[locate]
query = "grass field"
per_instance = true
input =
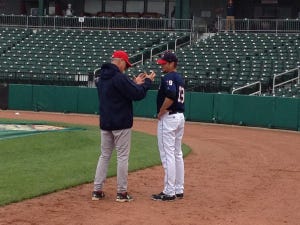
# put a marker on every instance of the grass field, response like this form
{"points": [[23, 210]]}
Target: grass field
{"points": [[38, 164]]}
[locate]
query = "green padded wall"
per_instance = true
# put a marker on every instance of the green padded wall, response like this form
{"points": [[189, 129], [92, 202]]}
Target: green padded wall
{"points": [[66, 99], [253, 110], [201, 107], [55, 98], [187, 103], [87, 100], [43, 98], [223, 107], [286, 113], [20, 97], [269, 112], [147, 106]]}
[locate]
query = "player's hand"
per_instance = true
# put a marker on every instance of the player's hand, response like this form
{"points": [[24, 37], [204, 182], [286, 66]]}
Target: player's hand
{"points": [[140, 79], [151, 76], [161, 113]]}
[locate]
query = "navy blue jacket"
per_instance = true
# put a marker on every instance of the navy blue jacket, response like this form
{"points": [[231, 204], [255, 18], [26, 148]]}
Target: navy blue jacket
{"points": [[116, 93]]}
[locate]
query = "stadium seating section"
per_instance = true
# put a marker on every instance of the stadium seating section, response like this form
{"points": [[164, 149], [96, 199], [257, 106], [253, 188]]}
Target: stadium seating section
{"points": [[226, 61], [219, 63], [68, 57]]}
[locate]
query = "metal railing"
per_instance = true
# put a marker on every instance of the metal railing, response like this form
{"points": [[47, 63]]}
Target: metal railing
{"points": [[262, 25], [297, 78], [63, 78], [258, 92], [137, 58], [103, 23], [158, 49]]}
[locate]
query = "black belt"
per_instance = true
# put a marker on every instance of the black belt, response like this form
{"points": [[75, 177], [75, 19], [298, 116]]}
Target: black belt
{"points": [[174, 112]]}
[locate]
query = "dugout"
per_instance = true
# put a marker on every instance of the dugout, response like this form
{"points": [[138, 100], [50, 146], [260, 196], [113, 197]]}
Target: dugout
{"points": [[3, 96]]}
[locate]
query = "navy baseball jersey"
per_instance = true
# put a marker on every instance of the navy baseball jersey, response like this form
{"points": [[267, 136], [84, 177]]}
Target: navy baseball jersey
{"points": [[171, 86]]}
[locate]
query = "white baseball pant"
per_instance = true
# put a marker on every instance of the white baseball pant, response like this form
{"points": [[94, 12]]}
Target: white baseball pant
{"points": [[169, 135]]}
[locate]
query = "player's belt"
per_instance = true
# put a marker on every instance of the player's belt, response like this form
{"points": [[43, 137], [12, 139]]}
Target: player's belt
{"points": [[174, 112]]}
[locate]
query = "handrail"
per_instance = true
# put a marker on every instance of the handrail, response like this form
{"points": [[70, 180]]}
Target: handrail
{"points": [[175, 47], [249, 85], [96, 23], [151, 51], [139, 61], [177, 39], [285, 82], [262, 25]]}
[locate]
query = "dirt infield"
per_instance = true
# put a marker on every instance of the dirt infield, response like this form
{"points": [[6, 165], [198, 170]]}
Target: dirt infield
{"points": [[234, 175]]}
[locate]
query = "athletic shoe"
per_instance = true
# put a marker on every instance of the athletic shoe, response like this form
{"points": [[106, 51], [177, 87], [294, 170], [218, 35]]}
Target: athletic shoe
{"points": [[156, 196], [97, 195], [123, 197], [179, 196], [163, 197]]}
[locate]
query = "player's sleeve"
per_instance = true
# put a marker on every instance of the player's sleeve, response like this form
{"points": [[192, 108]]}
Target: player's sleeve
{"points": [[170, 89]]}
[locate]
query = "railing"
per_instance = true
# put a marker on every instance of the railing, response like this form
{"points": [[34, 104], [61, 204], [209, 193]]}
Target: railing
{"points": [[158, 49], [258, 92], [65, 79], [262, 25], [287, 81], [178, 44], [137, 58], [104, 23]]}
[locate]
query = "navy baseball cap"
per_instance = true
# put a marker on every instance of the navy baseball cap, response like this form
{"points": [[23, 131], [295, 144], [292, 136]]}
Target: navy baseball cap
{"points": [[167, 57]]}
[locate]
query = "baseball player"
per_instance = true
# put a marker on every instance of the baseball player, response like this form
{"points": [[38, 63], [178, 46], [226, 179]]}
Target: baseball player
{"points": [[170, 108]]}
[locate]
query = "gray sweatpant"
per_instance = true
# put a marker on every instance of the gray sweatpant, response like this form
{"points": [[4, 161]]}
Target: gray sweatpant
{"points": [[119, 139]]}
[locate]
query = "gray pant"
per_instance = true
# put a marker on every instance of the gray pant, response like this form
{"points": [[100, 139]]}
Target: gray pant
{"points": [[119, 139]]}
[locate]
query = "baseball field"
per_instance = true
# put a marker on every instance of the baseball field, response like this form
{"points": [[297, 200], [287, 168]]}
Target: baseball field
{"points": [[234, 175]]}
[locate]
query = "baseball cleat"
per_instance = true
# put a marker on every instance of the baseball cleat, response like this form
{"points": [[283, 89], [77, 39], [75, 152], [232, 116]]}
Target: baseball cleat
{"points": [[123, 197], [179, 196], [97, 195], [163, 197]]}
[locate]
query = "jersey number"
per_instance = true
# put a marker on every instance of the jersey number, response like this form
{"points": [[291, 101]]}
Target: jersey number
{"points": [[181, 95]]}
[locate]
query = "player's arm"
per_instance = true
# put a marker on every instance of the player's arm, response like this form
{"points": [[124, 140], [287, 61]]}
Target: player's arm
{"points": [[164, 108], [130, 89]]}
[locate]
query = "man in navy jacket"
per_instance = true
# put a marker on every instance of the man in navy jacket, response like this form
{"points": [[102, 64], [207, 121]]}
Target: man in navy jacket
{"points": [[116, 93]]}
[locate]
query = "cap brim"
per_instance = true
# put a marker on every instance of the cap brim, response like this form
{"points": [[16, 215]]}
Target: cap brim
{"points": [[128, 63], [162, 61]]}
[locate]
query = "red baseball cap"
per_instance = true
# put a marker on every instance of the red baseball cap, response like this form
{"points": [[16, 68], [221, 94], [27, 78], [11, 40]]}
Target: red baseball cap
{"points": [[122, 55]]}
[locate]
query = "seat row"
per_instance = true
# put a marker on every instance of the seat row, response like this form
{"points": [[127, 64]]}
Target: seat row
{"points": [[72, 51], [216, 64]]}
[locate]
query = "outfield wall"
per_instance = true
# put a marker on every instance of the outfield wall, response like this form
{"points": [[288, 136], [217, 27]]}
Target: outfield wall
{"points": [[270, 112]]}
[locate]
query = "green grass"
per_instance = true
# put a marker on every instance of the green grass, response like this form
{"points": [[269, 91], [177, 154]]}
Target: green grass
{"points": [[46, 162]]}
